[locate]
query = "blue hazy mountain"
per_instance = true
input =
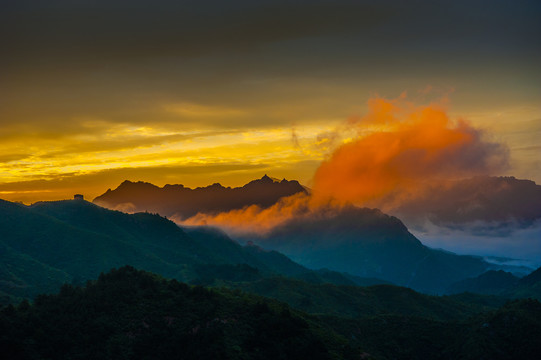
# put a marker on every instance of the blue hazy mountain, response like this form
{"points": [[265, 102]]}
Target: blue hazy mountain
{"points": [[368, 243]]}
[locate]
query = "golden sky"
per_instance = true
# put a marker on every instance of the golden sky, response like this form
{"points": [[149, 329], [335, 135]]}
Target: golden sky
{"points": [[93, 93]]}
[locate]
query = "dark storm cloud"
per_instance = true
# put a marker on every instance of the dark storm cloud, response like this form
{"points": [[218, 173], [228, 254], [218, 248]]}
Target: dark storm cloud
{"points": [[484, 206], [95, 31], [118, 60], [482, 238]]}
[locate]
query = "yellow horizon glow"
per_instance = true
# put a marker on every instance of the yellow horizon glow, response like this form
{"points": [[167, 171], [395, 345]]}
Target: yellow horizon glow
{"points": [[55, 165], [146, 147]]}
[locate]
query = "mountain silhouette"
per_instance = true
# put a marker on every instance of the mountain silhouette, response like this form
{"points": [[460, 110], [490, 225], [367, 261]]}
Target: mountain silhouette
{"points": [[495, 200], [183, 202]]}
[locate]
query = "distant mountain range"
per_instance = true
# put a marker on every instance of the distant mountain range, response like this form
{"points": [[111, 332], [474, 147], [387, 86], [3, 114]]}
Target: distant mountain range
{"points": [[360, 241], [184, 202], [494, 200], [50, 243]]}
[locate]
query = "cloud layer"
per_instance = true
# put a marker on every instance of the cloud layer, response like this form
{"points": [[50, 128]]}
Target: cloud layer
{"points": [[410, 148]]}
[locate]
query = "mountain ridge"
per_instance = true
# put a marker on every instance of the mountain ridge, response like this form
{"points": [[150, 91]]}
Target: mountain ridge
{"points": [[50, 243], [184, 202], [504, 199]]}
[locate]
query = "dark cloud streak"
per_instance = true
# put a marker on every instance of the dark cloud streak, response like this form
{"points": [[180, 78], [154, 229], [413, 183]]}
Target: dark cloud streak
{"points": [[106, 30], [103, 31]]}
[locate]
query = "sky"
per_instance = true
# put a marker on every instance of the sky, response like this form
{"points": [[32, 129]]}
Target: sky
{"points": [[196, 92]]}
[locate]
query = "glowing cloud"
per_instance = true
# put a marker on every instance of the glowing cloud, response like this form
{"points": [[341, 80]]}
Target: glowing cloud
{"points": [[399, 150], [409, 146], [258, 220]]}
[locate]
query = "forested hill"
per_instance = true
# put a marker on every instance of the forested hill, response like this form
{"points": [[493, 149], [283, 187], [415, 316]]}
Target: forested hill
{"points": [[130, 314], [50, 243], [47, 244]]}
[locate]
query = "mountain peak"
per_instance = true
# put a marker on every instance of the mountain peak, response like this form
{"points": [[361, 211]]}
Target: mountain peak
{"points": [[267, 179]]}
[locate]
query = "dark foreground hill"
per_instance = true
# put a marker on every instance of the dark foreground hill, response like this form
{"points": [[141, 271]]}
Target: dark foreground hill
{"points": [[129, 314], [183, 202], [510, 332]]}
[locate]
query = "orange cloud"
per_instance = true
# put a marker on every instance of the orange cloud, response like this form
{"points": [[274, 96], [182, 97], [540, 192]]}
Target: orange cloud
{"points": [[408, 148], [255, 219]]}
